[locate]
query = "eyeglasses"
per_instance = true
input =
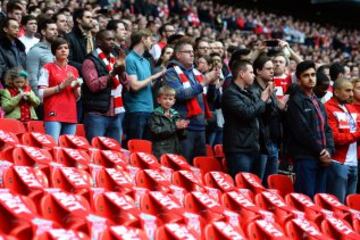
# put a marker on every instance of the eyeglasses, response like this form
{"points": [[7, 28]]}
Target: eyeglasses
{"points": [[187, 51]]}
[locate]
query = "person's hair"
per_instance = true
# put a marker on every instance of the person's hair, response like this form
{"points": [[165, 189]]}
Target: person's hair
{"points": [[6, 23], [339, 83], [56, 15], [163, 28], [260, 62], [322, 68], [100, 34], [335, 70], [166, 91], [13, 73], [321, 77], [281, 54], [27, 18], [303, 66], [64, 10], [355, 81], [137, 36], [160, 61], [238, 54], [33, 8], [57, 43], [78, 14], [182, 42], [239, 65], [199, 40], [113, 24], [43, 24], [13, 5]]}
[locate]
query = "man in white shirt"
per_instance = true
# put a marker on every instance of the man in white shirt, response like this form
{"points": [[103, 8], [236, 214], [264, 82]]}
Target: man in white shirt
{"points": [[30, 25]]}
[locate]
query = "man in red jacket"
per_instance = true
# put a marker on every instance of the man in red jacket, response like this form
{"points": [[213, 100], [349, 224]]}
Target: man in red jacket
{"points": [[344, 121]]}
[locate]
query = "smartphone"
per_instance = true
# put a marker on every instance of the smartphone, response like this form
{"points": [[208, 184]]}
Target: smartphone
{"points": [[272, 43]]}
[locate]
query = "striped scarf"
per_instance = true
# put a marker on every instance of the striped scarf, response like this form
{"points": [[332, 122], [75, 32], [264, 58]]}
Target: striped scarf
{"points": [[320, 123], [193, 107], [116, 84]]}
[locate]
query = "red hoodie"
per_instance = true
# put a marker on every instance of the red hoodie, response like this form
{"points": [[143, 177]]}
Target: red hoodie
{"points": [[340, 126]]}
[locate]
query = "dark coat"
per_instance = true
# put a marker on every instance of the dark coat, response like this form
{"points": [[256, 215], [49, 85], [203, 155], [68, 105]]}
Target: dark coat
{"points": [[242, 110], [8, 58], [77, 42], [165, 136], [300, 124]]}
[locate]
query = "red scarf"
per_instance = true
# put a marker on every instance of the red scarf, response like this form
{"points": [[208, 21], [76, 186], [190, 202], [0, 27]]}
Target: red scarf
{"points": [[24, 105], [193, 107], [116, 90]]}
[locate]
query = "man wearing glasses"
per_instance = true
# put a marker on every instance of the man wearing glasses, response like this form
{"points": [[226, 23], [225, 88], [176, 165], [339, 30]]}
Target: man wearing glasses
{"points": [[191, 103]]}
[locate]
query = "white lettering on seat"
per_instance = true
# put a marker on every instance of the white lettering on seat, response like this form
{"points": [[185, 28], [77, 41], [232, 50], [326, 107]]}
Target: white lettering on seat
{"points": [[206, 200], [228, 231], [74, 176], [119, 200], [14, 203], [76, 140], [120, 177], [68, 201], [242, 200], [6, 137], [35, 153], [164, 200], [269, 228], [147, 158], [126, 233], [306, 226], [28, 176], [75, 154], [108, 142], [340, 226], [181, 232], [41, 138], [221, 181]]}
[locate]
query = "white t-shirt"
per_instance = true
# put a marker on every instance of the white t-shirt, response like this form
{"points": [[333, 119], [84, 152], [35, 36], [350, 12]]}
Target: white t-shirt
{"points": [[28, 42]]}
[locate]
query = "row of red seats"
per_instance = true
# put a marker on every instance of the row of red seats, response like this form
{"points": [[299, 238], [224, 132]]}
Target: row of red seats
{"points": [[169, 192]]}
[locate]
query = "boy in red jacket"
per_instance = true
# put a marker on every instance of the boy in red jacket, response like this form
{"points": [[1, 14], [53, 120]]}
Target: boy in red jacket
{"points": [[344, 121]]}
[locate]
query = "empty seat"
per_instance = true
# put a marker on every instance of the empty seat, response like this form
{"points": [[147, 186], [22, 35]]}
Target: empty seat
{"points": [[39, 140], [12, 125], [35, 126], [207, 164], [139, 145], [282, 183], [353, 201]]}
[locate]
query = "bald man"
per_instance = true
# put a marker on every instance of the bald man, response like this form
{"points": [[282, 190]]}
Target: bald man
{"points": [[344, 121]]}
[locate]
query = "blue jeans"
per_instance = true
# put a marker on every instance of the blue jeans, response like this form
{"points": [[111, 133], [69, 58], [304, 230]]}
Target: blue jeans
{"points": [[342, 180], [242, 162], [99, 125], [55, 129], [310, 176], [193, 145], [136, 125], [215, 136], [272, 162]]}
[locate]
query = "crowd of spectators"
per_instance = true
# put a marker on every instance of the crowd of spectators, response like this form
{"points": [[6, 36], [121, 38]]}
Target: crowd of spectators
{"points": [[188, 73]]}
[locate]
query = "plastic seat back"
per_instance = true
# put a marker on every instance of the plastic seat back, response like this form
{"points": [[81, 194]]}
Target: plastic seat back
{"points": [[249, 181], [73, 141], [39, 140], [105, 143], [80, 130], [221, 230], [207, 164], [297, 228], [261, 229], [12, 125], [282, 183], [144, 160], [174, 231], [219, 180], [139, 145], [353, 201], [35, 126]]}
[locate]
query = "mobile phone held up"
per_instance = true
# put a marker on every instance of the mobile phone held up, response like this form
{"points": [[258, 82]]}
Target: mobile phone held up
{"points": [[272, 43]]}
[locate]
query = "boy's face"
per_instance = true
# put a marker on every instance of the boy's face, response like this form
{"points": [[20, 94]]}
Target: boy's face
{"points": [[19, 82], [166, 101]]}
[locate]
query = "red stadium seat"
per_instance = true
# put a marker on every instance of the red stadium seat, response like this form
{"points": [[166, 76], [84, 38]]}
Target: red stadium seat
{"points": [[144, 160], [109, 159], [176, 162], [207, 164], [174, 231], [338, 229], [80, 130], [219, 180], [122, 233], [249, 181], [297, 228], [12, 125], [261, 229], [209, 151], [218, 151], [105, 143], [35, 126], [353, 201], [187, 180], [138, 145], [70, 179], [282, 183], [30, 156], [221, 230], [113, 179], [73, 141], [39, 140]]}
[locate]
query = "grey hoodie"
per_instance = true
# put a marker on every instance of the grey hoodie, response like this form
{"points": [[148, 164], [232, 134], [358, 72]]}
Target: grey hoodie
{"points": [[37, 57]]}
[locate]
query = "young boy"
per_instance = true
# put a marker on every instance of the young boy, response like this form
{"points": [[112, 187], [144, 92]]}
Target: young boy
{"points": [[165, 124]]}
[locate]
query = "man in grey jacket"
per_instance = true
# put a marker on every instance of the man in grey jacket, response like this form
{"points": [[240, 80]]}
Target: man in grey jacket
{"points": [[40, 53]]}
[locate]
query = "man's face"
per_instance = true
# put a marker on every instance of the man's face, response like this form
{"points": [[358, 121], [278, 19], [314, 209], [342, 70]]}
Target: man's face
{"points": [[61, 23], [148, 42], [280, 65], [203, 49], [16, 14], [121, 33], [169, 30], [267, 72], [86, 21], [103, 21], [356, 91], [218, 47], [186, 55], [12, 30], [355, 72], [107, 41], [345, 93], [248, 75], [31, 26], [50, 33], [347, 73], [307, 79]]}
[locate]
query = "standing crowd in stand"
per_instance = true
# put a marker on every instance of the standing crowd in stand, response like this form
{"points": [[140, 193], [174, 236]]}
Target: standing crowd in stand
{"points": [[184, 74]]}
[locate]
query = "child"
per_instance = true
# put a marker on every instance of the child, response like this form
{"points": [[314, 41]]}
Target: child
{"points": [[17, 99], [165, 124]]}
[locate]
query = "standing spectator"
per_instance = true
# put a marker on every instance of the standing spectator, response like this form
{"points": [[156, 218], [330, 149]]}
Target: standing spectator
{"points": [[61, 23], [59, 90], [309, 138], [102, 90], [337, 71], [344, 122], [165, 124], [40, 53], [202, 48], [80, 39], [12, 50], [138, 99], [165, 32], [242, 110], [14, 9], [121, 33], [17, 99], [30, 25], [191, 104]]}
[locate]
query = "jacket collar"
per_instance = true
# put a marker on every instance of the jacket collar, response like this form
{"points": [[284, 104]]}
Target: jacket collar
{"points": [[4, 41]]}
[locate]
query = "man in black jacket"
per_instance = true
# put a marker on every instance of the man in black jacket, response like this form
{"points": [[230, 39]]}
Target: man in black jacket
{"points": [[309, 138], [242, 110], [12, 50]]}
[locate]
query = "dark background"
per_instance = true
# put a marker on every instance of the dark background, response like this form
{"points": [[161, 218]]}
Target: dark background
{"points": [[344, 13]]}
